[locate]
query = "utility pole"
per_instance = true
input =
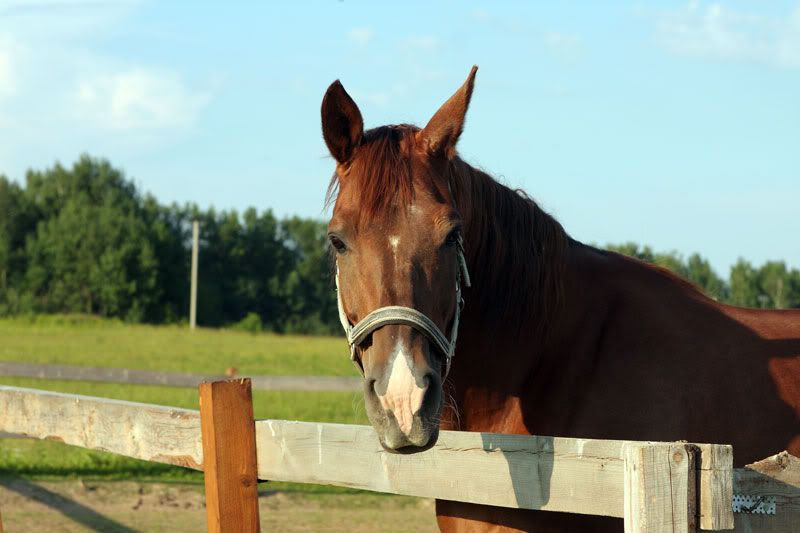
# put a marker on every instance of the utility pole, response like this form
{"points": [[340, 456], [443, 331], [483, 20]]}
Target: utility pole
{"points": [[193, 302]]}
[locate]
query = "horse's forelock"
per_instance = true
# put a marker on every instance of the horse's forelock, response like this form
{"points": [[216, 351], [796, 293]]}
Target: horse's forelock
{"points": [[380, 171]]}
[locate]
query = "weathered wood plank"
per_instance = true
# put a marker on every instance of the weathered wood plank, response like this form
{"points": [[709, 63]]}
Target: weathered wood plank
{"points": [[558, 474], [229, 448], [775, 477], [143, 431], [659, 488], [716, 486], [174, 379]]}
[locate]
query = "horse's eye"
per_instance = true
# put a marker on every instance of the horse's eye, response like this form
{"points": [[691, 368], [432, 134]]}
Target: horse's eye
{"points": [[337, 243]]}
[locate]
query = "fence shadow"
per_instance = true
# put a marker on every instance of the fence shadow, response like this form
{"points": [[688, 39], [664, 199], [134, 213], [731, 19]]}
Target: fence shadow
{"points": [[71, 509], [531, 472]]}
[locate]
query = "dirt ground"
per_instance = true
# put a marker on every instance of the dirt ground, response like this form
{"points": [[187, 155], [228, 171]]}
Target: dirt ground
{"points": [[128, 506]]}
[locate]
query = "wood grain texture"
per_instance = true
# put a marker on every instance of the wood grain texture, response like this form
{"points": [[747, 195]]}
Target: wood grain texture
{"points": [[779, 477], [716, 486], [558, 474], [229, 448], [660, 488], [143, 431], [174, 379]]}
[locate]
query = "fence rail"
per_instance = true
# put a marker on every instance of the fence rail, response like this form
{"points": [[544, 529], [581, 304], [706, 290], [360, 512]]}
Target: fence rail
{"points": [[139, 430], [654, 486], [173, 379]]}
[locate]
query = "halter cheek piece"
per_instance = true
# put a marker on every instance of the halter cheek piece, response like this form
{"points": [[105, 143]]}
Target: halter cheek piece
{"points": [[407, 316]]}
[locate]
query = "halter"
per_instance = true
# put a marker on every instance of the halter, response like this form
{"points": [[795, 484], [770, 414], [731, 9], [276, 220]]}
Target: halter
{"points": [[408, 316]]}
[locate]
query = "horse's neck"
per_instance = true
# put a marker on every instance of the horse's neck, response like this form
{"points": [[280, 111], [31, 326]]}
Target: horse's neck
{"points": [[529, 379]]}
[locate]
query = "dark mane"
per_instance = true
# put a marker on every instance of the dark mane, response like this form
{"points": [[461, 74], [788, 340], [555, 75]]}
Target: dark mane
{"points": [[383, 167], [514, 247]]}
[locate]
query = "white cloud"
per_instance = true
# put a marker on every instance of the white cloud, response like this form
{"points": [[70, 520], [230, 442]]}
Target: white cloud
{"points": [[63, 92], [360, 36], [138, 98], [719, 33], [52, 75]]}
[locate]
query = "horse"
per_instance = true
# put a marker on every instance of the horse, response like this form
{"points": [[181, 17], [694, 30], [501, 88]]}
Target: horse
{"points": [[556, 337]]}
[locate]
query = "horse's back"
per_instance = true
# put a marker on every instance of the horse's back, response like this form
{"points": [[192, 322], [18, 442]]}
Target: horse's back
{"points": [[675, 364]]}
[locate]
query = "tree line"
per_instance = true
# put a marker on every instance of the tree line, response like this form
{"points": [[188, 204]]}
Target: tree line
{"points": [[85, 240]]}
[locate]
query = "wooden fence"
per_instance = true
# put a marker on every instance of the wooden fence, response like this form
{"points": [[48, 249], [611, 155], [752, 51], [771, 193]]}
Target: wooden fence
{"points": [[654, 486]]}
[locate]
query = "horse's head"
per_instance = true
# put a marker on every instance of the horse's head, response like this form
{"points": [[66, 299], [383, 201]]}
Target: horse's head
{"points": [[396, 236]]}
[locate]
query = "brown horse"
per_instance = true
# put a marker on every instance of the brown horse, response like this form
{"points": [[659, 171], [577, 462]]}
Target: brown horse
{"points": [[556, 338]]}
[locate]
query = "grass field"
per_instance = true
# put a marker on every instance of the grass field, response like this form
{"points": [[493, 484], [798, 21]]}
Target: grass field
{"points": [[92, 342], [89, 341]]}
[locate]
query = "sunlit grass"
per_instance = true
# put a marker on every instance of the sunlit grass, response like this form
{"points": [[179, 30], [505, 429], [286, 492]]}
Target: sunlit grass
{"points": [[88, 341]]}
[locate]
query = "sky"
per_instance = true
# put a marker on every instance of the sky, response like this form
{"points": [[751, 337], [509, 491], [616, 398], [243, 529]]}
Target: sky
{"points": [[671, 124]]}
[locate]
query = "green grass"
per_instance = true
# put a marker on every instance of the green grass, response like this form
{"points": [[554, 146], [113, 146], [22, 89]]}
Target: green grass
{"points": [[89, 341]]}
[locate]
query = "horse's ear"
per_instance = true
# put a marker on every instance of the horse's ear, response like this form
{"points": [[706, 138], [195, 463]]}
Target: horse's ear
{"points": [[443, 130], [342, 125]]}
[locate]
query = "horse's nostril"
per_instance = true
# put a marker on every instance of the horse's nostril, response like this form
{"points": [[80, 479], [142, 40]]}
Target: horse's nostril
{"points": [[432, 379]]}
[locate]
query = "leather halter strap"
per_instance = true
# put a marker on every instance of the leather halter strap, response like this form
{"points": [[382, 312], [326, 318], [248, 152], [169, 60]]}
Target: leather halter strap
{"points": [[408, 316]]}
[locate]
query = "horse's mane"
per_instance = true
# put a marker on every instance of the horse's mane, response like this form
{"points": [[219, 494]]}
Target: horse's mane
{"points": [[515, 250]]}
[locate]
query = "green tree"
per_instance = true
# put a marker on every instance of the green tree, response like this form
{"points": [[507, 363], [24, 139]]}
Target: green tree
{"points": [[699, 271], [15, 222], [631, 249], [777, 285], [91, 251], [169, 232], [309, 287], [744, 289]]}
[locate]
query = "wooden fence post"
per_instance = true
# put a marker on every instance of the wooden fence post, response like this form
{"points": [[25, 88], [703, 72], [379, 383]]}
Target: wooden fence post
{"points": [[660, 488], [229, 456], [716, 486]]}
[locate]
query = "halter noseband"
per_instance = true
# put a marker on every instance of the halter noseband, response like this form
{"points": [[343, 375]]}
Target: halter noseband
{"points": [[408, 316]]}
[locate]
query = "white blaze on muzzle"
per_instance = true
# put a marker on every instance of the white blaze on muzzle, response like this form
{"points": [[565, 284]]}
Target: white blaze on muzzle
{"points": [[408, 316], [403, 396]]}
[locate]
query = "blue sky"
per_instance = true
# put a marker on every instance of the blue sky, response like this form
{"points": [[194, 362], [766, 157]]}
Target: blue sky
{"points": [[672, 124]]}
